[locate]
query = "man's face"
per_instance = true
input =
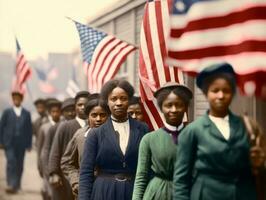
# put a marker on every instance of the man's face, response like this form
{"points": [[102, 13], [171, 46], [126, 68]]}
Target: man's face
{"points": [[80, 107], [17, 100], [55, 113], [40, 107], [69, 112]]}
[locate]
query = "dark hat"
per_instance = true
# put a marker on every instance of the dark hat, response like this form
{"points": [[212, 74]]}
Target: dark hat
{"points": [[224, 68], [82, 94], [172, 85], [68, 102], [17, 93], [94, 96], [39, 101], [53, 103]]}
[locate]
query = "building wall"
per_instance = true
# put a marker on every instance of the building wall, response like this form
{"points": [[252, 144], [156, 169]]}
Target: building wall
{"points": [[124, 20]]}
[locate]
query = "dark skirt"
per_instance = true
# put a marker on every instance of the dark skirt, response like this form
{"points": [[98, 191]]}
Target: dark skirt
{"points": [[105, 188]]}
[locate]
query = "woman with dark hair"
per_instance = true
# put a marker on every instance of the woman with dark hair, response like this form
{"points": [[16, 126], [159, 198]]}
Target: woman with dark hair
{"points": [[135, 108], [112, 149], [97, 112], [213, 156], [157, 150]]}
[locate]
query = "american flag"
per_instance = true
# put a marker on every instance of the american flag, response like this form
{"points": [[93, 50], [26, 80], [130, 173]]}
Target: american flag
{"points": [[102, 54], [204, 32], [153, 71], [22, 72], [44, 80]]}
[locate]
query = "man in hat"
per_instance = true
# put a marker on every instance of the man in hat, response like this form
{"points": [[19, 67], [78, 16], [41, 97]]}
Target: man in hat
{"points": [[40, 106], [16, 138], [63, 135], [68, 110], [54, 113]]}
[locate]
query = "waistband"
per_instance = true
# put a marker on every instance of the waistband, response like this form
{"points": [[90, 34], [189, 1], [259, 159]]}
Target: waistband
{"points": [[164, 177], [118, 177]]}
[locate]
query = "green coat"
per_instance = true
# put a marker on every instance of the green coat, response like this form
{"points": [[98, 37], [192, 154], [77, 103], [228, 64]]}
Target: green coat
{"points": [[208, 167], [157, 152]]}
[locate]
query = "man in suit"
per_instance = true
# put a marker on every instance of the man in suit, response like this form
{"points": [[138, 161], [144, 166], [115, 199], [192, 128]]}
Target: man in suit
{"points": [[64, 133], [16, 138], [40, 105]]}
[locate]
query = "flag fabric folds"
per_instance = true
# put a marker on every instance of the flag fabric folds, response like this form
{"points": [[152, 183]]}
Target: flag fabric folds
{"points": [[204, 32], [153, 72], [22, 73], [102, 54], [44, 80]]}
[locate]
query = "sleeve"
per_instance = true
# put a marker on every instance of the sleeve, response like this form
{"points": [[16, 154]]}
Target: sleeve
{"points": [[29, 131], [46, 150], [55, 153], [70, 162], [143, 169], [184, 164], [2, 126], [87, 167], [39, 148]]}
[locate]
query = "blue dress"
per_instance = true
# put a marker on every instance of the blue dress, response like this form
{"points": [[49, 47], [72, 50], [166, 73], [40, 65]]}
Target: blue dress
{"points": [[102, 151]]}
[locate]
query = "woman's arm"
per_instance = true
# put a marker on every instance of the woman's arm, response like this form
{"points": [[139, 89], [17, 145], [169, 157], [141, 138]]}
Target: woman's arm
{"points": [[186, 150], [143, 169], [87, 166]]}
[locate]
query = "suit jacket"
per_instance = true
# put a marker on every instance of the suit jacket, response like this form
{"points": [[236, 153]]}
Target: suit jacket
{"points": [[210, 167], [102, 151], [63, 135], [36, 125], [70, 162], [16, 130]]}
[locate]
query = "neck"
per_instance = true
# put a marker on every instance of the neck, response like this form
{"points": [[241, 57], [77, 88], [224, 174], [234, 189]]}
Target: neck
{"points": [[124, 119], [219, 114]]}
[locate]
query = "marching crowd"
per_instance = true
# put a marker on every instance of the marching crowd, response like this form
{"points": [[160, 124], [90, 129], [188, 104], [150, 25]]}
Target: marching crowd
{"points": [[98, 146]]}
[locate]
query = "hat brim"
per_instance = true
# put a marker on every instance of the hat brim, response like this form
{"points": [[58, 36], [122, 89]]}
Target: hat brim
{"points": [[213, 70], [181, 87]]}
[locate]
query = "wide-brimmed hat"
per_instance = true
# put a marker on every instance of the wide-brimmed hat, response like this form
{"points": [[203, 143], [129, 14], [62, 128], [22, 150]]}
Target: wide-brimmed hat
{"points": [[172, 85], [224, 68]]}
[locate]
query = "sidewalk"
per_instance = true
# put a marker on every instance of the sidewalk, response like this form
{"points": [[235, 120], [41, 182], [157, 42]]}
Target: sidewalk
{"points": [[31, 181]]}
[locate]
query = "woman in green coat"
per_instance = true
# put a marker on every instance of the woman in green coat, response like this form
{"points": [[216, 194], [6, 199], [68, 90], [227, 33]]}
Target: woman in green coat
{"points": [[157, 149], [212, 160]]}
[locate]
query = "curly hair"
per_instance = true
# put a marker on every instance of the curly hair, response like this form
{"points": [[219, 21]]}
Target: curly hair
{"points": [[112, 84]]}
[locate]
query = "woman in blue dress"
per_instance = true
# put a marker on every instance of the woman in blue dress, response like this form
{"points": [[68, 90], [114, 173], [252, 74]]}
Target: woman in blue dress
{"points": [[112, 149]]}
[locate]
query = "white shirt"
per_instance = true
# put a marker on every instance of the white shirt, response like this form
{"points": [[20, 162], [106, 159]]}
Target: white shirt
{"points": [[123, 130], [51, 120], [222, 124], [17, 110], [81, 122], [173, 128]]}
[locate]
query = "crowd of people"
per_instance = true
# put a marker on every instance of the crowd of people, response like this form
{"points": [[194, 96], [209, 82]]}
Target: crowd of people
{"points": [[98, 146]]}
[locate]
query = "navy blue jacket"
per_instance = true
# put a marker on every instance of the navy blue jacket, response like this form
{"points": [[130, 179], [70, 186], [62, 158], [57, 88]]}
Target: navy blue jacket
{"points": [[102, 151], [16, 130]]}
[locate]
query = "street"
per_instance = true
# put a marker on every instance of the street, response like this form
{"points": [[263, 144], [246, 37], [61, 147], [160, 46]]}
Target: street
{"points": [[31, 181]]}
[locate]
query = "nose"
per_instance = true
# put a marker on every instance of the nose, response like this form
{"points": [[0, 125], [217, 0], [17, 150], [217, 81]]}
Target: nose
{"points": [[220, 94], [98, 118], [118, 102], [134, 116], [174, 109]]}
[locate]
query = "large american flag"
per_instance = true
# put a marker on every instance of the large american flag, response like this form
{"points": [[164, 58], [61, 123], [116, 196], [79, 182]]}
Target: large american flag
{"points": [[204, 32], [102, 54], [22, 72], [153, 71]]}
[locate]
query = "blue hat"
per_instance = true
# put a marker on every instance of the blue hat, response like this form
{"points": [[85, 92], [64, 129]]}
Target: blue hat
{"points": [[215, 69]]}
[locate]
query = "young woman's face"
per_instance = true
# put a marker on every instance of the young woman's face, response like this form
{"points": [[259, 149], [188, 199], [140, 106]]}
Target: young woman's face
{"points": [[173, 108], [97, 116], [219, 96], [118, 103], [135, 112]]}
